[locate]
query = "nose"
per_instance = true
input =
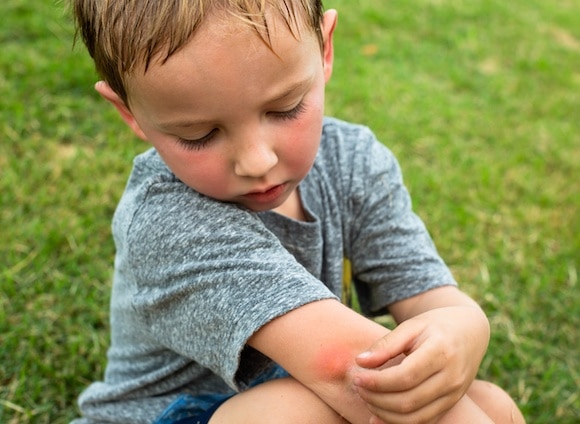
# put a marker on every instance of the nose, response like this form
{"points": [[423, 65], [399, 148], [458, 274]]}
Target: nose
{"points": [[254, 158]]}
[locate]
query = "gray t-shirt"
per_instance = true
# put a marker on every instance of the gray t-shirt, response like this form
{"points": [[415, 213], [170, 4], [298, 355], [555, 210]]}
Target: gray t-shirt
{"points": [[195, 278]]}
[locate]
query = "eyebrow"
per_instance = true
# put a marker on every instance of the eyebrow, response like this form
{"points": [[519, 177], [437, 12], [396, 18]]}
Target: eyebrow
{"points": [[296, 87], [291, 90]]}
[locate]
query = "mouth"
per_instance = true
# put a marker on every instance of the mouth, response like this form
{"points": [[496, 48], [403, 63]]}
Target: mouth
{"points": [[268, 195]]}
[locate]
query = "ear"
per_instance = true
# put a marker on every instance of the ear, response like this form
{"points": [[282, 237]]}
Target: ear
{"points": [[328, 25], [109, 95]]}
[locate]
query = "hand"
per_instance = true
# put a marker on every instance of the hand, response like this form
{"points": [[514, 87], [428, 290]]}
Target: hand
{"points": [[443, 349]]}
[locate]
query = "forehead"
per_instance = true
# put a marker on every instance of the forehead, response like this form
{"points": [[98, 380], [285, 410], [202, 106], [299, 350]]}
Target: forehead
{"points": [[222, 29], [226, 62]]}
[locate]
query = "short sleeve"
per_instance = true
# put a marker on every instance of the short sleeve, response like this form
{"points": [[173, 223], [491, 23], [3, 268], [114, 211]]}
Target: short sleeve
{"points": [[393, 257], [208, 275]]}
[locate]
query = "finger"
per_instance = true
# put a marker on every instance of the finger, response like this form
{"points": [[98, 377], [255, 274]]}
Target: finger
{"points": [[378, 354], [405, 414], [397, 342], [454, 411], [410, 372], [376, 420], [410, 400]]}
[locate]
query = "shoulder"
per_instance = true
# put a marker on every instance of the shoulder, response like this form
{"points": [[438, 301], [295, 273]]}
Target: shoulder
{"points": [[339, 131], [148, 171], [156, 206], [352, 155], [351, 144]]}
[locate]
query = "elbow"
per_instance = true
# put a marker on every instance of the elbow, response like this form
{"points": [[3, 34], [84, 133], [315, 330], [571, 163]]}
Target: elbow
{"points": [[333, 364]]}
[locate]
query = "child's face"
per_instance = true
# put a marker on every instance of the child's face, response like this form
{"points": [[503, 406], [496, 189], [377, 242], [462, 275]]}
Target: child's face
{"points": [[233, 120]]}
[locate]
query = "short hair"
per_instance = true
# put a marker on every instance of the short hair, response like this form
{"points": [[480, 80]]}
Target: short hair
{"points": [[124, 36]]}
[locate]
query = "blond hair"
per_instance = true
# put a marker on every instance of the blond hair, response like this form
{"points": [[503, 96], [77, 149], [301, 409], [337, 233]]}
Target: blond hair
{"points": [[124, 36]]}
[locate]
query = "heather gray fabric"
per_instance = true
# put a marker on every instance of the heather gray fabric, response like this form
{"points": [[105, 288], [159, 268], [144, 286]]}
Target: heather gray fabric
{"points": [[195, 278]]}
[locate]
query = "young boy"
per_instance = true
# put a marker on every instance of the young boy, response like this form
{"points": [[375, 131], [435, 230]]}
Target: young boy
{"points": [[232, 231]]}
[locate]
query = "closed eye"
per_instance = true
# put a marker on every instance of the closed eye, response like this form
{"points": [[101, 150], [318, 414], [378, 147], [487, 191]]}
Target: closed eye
{"points": [[293, 113], [198, 143]]}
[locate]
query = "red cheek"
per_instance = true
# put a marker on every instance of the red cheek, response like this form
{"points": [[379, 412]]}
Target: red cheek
{"points": [[332, 362]]}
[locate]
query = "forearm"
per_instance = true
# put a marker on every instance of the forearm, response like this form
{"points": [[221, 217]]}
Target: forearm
{"points": [[449, 304], [444, 335], [448, 298], [317, 344], [345, 401]]}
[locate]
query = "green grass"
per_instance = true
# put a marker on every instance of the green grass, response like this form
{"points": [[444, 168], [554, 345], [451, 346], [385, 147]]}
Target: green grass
{"points": [[479, 100]]}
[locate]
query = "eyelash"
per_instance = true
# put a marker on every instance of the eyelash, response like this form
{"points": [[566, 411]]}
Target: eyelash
{"points": [[292, 113], [198, 143], [202, 142]]}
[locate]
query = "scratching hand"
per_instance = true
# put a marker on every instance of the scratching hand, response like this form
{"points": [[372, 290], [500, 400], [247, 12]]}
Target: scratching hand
{"points": [[422, 368]]}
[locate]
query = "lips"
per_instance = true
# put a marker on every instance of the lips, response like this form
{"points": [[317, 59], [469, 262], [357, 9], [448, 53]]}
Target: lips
{"points": [[267, 196]]}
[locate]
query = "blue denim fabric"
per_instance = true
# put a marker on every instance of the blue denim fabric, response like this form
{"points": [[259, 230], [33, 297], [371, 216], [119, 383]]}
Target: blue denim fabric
{"points": [[193, 409]]}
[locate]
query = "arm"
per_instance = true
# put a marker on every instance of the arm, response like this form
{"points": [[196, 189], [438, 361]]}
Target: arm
{"points": [[317, 344], [447, 296], [444, 334]]}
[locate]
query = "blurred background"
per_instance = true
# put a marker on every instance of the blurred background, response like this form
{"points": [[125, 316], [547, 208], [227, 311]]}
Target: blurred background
{"points": [[479, 100]]}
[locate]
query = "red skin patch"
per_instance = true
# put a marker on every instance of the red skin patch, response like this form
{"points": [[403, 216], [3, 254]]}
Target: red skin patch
{"points": [[333, 362]]}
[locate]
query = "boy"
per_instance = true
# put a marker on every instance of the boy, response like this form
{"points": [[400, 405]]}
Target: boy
{"points": [[231, 233]]}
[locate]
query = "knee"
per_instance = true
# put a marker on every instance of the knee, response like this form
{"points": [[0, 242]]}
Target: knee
{"points": [[495, 402], [281, 401]]}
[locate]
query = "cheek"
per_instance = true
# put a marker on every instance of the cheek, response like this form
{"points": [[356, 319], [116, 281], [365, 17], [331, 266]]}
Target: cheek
{"points": [[201, 171], [303, 139], [300, 149], [205, 175]]}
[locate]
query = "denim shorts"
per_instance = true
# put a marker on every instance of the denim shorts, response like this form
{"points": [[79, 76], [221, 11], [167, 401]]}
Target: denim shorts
{"points": [[188, 409]]}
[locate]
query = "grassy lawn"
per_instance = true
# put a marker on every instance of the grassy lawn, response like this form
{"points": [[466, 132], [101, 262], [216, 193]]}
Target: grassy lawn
{"points": [[479, 100]]}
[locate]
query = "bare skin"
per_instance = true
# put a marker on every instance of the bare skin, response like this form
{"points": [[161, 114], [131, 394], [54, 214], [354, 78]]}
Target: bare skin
{"points": [[323, 390], [287, 401], [423, 371], [278, 401]]}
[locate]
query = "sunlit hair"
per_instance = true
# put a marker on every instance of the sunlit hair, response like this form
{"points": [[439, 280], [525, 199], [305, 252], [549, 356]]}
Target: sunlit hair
{"points": [[126, 36]]}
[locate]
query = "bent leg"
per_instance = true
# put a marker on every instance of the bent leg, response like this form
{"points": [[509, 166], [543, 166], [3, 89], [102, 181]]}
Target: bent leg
{"points": [[282, 401], [484, 403], [495, 402]]}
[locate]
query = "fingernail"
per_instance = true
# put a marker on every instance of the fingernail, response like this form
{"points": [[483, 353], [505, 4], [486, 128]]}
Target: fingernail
{"points": [[364, 355]]}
